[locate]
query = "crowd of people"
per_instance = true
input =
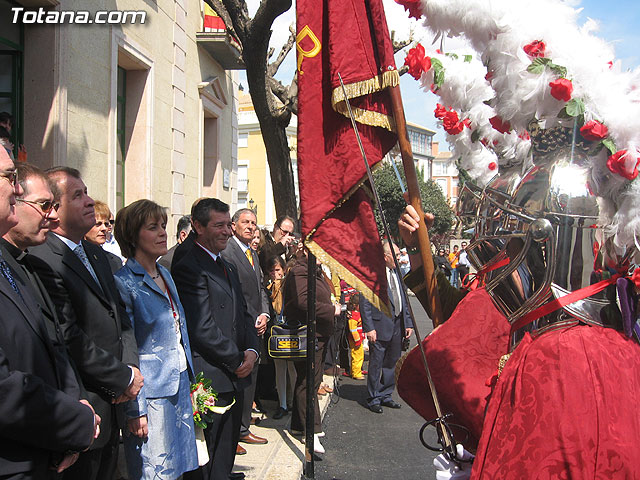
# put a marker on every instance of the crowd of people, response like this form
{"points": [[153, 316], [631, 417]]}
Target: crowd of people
{"points": [[107, 329], [454, 264]]}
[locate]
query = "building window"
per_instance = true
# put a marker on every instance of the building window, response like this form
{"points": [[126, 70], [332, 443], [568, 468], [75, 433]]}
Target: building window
{"points": [[243, 179], [11, 69], [442, 183], [419, 142], [243, 140], [440, 169]]}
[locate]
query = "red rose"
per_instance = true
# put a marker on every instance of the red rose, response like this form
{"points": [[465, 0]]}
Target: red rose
{"points": [[451, 123], [535, 49], [411, 6], [623, 165], [493, 166], [561, 89], [426, 64], [594, 131], [415, 60], [440, 111], [500, 125]]}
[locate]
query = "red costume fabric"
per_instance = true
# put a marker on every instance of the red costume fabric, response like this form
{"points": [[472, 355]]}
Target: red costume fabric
{"points": [[565, 408], [462, 354]]}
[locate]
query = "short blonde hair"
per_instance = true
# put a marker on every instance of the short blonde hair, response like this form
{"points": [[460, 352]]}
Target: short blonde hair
{"points": [[102, 210]]}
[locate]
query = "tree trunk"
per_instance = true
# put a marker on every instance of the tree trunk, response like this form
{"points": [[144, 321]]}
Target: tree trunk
{"points": [[273, 127]]}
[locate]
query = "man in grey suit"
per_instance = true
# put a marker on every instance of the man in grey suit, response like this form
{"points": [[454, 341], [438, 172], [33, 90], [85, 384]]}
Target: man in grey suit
{"points": [[245, 259], [385, 337], [96, 327]]}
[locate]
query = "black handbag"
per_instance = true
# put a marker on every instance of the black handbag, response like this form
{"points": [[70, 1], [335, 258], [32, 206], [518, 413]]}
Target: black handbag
{"points": [[286, 341]]}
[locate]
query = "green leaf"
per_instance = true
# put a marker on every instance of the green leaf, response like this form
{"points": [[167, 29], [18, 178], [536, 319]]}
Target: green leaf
{"points": [[563, 113], [538, 65], [475, 136], [574, 107], [558, 69], [452, 55], [610, 144], [468, 58], [438, 72]]}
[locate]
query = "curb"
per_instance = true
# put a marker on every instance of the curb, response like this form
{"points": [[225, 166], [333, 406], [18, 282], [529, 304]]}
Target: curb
{"points": [[283, 457]]}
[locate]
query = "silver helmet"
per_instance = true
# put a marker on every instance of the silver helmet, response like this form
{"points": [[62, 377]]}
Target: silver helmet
{"points": [[545, 222]]}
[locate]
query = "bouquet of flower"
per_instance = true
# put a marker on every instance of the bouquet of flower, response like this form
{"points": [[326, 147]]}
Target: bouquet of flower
{"points": [[203, 400]]}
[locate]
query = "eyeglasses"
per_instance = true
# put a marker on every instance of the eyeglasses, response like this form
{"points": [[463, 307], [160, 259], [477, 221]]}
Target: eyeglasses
{"points": [[46, 206], [10, 175], [106, 223], [285, 231]]}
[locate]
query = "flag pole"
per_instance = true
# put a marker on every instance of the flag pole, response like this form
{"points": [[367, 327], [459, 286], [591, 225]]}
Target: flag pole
{"points": [[424, 243], [309, 465]]}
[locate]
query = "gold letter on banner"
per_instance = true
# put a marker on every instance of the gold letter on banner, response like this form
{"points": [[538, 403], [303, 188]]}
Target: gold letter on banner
{"points": [[306, 32]]}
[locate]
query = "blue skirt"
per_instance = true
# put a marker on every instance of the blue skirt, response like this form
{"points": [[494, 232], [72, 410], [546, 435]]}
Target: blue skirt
{"points": [[170, 448]]}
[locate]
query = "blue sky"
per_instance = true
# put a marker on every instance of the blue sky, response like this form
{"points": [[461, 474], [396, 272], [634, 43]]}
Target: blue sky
{"points": [[618, 19]]}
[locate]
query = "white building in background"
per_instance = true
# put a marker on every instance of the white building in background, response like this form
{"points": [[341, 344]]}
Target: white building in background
{"points": [[445, 174]]}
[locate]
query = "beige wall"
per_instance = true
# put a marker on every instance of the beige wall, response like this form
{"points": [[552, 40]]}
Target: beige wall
{"points": [[70, 100]]}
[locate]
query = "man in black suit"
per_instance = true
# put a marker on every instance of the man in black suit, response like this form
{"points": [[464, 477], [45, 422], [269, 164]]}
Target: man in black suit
{"points": [[95, 325], [245, 259], [223, 337], [385, 337], [41, 425], [184, 228]]}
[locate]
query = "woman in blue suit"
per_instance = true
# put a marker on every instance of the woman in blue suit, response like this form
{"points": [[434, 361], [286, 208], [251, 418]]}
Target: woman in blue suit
{"points": [[160, 441]]}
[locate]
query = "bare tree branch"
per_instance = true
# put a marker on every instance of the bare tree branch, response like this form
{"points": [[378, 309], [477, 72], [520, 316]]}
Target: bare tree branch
{"points": [[268, 11], [399, 45], [272, 68]]}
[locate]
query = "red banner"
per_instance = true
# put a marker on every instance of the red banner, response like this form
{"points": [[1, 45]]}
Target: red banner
{"points": [[350, 38]]}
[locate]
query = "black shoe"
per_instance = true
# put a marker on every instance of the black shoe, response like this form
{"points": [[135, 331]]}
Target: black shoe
{"points": [[391, 404], [281, 412], [375, 408], [236, 475]]}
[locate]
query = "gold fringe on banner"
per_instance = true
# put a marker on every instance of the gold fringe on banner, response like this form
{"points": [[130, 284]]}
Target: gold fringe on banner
{"points": [[347, 276], [390, 78]]}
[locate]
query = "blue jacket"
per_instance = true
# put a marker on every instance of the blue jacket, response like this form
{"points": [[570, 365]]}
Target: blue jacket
{"points": [[153, 323]]}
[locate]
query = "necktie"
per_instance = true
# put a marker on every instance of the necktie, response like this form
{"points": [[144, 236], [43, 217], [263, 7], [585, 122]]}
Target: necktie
{"points": [[221, 265], [6, 272], [249, 255], [82, 255], [395, 295]]}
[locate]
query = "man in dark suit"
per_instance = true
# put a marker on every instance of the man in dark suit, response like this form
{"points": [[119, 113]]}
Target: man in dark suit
{"points": [[245, 259], [95, 325], [385, 337], [223, 337], [41, 425], [184, 228]]}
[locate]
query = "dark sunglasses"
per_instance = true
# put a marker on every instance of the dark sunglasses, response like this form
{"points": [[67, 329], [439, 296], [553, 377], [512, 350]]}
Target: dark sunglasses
{"points": [[45, 206]]}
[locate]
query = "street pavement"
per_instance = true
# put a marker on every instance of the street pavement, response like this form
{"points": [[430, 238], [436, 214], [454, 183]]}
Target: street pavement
{"points": [[361, 444]]}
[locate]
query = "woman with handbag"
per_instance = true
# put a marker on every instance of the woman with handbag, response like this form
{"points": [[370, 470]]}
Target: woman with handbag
{"points": [[295, 309], [159, 441], [276, 271]]}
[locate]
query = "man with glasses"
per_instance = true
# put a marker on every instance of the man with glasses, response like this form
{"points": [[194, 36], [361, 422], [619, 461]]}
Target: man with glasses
{"points": [[42, 421], [277, 241]]}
